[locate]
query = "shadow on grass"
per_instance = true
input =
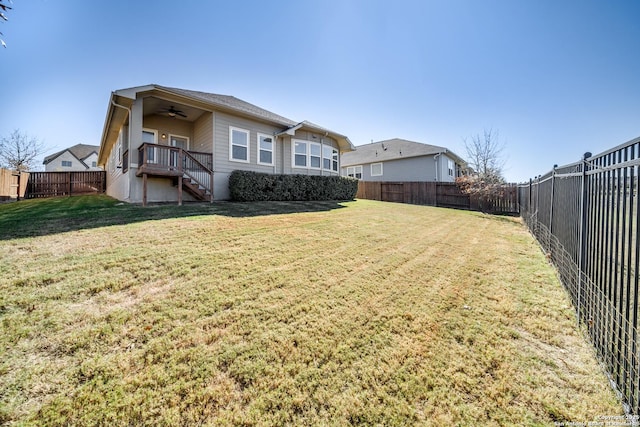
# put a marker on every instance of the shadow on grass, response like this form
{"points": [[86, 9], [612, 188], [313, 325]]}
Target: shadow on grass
{"points": [[40, 217]]}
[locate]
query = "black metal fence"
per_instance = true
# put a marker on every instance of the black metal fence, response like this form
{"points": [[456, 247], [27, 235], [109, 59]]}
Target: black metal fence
{"points": [[585, 215]]}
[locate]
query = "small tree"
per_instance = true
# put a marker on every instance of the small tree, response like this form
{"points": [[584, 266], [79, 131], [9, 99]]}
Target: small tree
{"points": [[485, 158], [485, 155], [19, 151]]}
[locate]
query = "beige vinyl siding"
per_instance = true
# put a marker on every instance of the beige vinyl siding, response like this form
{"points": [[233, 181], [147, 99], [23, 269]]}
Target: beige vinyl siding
{"points": [[55, 165], [222, 163], [203, 134], [168, 126]]}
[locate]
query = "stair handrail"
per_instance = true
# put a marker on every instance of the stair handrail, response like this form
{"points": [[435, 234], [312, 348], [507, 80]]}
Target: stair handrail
{"points": [[184, 155]]}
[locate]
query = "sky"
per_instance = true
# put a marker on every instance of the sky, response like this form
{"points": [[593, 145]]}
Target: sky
{"points": [[554, 78]]}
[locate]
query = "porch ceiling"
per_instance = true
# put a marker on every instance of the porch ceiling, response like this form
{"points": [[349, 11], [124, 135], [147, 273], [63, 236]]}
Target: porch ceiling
{"points": [[153, 105]]}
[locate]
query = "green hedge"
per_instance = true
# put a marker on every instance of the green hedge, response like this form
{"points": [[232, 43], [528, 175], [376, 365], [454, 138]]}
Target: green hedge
{"points": [[253, 186]]}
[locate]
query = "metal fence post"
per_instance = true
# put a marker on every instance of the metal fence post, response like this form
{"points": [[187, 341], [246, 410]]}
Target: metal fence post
{"points": [[582, 231], [553, 178]]}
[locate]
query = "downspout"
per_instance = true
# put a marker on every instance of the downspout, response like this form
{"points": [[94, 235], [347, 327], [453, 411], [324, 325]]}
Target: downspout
{"points": [[435, 158], [115, 104]]}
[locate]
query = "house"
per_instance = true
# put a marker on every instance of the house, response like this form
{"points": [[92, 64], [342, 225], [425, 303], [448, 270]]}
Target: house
{"points": [[80, 157], [164, 144], [399, 160]]}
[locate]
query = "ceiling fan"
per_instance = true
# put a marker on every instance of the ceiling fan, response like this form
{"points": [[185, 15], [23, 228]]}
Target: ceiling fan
{"points": [[172, 112]]}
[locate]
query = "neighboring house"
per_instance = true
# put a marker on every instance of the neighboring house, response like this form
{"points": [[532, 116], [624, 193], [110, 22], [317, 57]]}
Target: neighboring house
{"points": [[162, 144], [80, 157], [399, 160]]}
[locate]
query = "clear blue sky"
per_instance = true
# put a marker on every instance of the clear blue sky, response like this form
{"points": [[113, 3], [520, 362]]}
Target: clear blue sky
{"points": [[556, 78]]}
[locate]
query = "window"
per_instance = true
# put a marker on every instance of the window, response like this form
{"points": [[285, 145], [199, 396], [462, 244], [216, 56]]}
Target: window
{"points": [[265, 149], [451, 167], [314, 155], [94, 164], [238, 145], [66, 163], [376, 169], [326, 157], [354, 172], [149, 137], [300, 154]]}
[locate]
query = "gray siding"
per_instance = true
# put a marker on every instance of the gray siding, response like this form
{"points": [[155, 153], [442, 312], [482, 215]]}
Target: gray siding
{"points": [[410, 169]]}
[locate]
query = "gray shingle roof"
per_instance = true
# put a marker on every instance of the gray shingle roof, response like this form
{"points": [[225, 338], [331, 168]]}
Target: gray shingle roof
{"points": [[232, 103], [392, 149], [81, 151]]}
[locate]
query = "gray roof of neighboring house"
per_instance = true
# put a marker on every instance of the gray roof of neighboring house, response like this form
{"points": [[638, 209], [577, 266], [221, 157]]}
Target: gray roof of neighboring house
{"points": [[80, 151], [393, 149], [233, 103]]}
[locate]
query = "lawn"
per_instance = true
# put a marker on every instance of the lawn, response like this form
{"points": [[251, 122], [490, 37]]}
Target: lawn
{"points": [[357, 313]]}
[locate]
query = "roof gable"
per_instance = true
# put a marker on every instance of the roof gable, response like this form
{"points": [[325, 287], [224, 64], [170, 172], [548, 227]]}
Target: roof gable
{"points": [[393, 149], [79, 151]]}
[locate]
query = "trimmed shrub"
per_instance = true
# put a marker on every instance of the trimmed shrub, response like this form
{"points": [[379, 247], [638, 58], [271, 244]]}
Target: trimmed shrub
{"points": [[247, 186]]}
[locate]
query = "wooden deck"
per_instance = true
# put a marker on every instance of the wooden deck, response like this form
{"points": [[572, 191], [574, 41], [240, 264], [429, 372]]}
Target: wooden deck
{"points": [[190, 171]]}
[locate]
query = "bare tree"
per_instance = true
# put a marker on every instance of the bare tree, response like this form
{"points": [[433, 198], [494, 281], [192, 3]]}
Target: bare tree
{"points": [[485, 156], [484, 179], [18, 151], [3, 9]]}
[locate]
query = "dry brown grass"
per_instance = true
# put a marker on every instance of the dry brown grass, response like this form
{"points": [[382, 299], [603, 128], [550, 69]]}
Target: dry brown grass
{"points": [[374, 313]]}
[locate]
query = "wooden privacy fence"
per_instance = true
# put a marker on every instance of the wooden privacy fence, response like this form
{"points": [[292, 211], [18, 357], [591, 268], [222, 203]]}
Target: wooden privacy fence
{"points": [[51, 184], [12, 184], [586, 215], [444, 194]]}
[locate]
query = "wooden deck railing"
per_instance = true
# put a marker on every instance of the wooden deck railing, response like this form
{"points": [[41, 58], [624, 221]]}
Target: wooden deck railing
{"points": [[163, 160]]}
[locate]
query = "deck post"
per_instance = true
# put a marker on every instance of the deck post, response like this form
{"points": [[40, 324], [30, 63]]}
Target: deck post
{"points": [[181, 175], [144, 189], [211, 186]]}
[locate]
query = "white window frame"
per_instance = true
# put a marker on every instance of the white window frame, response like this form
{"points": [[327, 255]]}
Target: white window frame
{"points": [[319, 156], [327, 156], [335, 160], [259, 149], [293, 153], [155, 141], [451, 166], [354, 171], [62, 163], [381, 169], [231, 144]]}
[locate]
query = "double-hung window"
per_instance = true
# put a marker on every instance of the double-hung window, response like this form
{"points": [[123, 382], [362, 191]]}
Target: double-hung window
{"points": [[326, 157], [265, 149], [315, 153], [354, 172], [238, 145], [312, 155], [451, 167], [300, 154]]}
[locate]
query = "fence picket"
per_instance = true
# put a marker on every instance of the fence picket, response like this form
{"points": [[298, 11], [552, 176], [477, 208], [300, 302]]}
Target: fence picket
{"points": [[593, 228], [444, 194], [51, 184]]}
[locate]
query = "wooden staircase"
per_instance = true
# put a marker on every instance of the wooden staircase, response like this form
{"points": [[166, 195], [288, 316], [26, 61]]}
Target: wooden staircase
{"points": [[194, 188]]}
